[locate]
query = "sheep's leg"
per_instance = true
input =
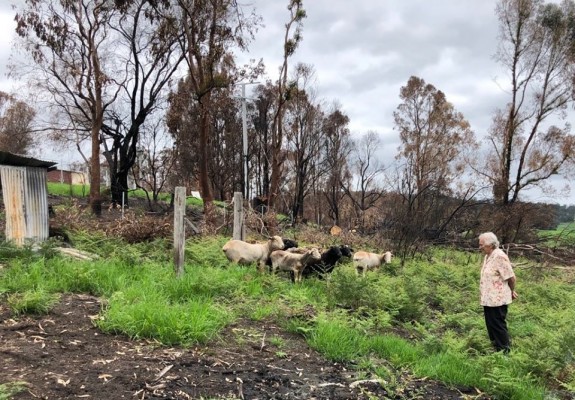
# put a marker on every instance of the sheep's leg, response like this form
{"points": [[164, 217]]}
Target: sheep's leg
{"points": [[274, 269], [297, 275], [262, 266]]}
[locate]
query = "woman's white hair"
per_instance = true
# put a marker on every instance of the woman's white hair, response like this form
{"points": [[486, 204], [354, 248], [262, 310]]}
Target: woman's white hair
{"points": [[489, 238]]}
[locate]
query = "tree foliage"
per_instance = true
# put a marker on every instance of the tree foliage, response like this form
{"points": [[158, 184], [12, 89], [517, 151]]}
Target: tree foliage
{"points": [[211, 28], [16, 119], [303, 138], [537, 47], [67, 43], [149, 45], [434, 141], [284, 93], [336, 149], [365, 189]]}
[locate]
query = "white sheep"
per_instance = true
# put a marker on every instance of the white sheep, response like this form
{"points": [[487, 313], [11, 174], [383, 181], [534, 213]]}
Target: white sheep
{"points": [[242, 252], [365, 261], [290, 261]]}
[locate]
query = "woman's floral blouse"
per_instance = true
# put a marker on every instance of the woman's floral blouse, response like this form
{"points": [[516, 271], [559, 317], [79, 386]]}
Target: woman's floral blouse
{"points": [[496, 270]]}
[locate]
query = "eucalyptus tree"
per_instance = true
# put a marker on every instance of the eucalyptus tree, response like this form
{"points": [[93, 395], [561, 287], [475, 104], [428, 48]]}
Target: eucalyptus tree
{"points": [[434, 141], [226, 161], [224, 151], [335, 153], [284, 89], [182, 119], [304, 136], [365, 188], [105, 66], [149, 46], [261, 115], [16, 118], [537, 48], [212, 28], [67, 43], [530, 139]]}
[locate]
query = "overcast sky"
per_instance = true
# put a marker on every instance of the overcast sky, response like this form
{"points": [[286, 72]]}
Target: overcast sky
{"points": [[363, 51]]}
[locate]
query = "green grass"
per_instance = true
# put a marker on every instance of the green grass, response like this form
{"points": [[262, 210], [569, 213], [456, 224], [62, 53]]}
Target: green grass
{"points": [[66, 189], [7, 390], [423, 317], [76, 190], [32, 302], [563, 235]]}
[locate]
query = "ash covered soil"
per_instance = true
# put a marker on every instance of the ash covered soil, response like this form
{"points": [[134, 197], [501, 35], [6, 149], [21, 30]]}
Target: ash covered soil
{"points": [[63, 355]]}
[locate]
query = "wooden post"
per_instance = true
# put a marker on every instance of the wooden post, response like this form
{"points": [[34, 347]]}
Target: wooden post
{"points": [[179, 229], [239, 226]]}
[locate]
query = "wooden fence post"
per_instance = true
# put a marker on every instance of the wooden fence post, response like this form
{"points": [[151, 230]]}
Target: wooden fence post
{"points": [[179, 229], [239, 225]]}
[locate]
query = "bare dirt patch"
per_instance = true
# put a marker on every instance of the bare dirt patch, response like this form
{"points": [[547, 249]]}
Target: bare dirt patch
{"points": [[62, 355]]}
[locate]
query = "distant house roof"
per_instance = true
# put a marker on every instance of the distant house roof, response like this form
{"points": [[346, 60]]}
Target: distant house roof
{"points": [[16, 160]]}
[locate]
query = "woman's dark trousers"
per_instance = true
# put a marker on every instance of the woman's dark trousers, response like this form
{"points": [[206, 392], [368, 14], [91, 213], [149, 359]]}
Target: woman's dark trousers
{"points": [[497, 327]]}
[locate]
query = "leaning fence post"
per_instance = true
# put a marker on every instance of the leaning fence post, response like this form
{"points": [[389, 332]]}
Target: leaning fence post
{"points": [[239, 226], [179, 229]]}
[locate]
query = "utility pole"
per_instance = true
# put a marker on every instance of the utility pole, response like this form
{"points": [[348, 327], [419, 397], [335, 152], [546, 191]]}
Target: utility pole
{"points": [[245, 141], [245, 138]]}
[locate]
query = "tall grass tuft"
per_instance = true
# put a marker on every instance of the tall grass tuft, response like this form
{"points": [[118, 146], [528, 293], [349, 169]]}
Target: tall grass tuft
{"points": [[148, 315], [32, 302], [333, 337], [399, 351]]}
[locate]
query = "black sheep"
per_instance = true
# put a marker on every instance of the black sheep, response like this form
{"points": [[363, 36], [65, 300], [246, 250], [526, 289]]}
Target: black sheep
{"points": [[288, 243], [329, 259]]}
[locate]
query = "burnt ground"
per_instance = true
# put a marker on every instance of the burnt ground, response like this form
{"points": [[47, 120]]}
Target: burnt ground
{"points": [[62, 355]]}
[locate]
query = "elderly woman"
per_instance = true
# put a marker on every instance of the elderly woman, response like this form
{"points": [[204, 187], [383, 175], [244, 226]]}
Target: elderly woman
{"points": [[497, 287]]}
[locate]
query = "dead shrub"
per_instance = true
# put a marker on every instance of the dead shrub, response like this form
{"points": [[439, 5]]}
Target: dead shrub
{"points": [[73, 216], [266, 224], [135, 228]]}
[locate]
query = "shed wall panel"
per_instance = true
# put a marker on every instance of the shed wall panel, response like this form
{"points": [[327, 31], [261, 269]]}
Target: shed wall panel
{"points": [[13, 179], [36, 204], [26, 203]]}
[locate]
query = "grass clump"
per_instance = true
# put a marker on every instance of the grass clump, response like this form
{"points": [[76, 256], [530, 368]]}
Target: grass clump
{"points": [[9, 389], [150, 316], [32, 302], [333, 337]]}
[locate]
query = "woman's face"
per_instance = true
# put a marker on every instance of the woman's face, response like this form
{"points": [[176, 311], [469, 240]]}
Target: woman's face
{"points": [[486, 248]]}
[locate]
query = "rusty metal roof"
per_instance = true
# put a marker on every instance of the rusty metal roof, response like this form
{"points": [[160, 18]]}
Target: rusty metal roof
{"points": [[17, 160]]}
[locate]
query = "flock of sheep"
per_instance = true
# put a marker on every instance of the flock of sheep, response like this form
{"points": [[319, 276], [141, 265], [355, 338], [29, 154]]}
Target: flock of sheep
{"points": [[284, 255]]}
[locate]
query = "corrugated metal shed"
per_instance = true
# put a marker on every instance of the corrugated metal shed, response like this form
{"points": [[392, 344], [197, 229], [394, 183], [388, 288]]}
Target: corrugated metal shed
{"points": [[25, 197]]}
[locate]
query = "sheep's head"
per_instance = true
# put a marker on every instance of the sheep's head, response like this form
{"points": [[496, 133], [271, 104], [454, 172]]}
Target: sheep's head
{"points": [[315, 255], [346, 251], [275, 243], [333, 252], [289, 244], [387, 257]]}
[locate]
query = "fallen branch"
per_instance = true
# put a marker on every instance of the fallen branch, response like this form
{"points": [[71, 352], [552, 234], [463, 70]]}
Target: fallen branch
{"points": [[78, 254], [355, 384]]}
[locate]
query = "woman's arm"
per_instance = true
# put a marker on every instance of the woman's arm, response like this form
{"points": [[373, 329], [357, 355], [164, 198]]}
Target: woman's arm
{"points": [[511, 283]]}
